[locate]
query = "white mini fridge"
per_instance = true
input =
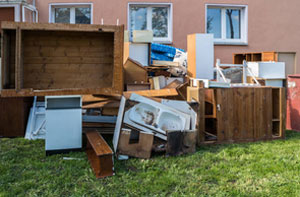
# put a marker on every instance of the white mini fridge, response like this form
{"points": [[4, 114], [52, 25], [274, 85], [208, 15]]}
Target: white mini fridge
{"points": [[63, 124]]}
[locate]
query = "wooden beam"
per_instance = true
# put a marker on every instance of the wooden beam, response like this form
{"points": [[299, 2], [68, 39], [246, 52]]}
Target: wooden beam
{"points": [[153, 93]]}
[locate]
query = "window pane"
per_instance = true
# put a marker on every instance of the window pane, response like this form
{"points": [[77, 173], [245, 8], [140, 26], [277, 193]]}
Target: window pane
{"points": [[138, 18], [233, 24], [213, 22], [160, 21], [62, 15], [83, 15]]}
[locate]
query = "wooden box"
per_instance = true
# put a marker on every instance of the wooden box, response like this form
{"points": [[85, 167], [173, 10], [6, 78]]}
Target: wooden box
{"points": [[58, 59]]}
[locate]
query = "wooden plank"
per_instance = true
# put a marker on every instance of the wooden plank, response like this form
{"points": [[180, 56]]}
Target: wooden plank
{"points": [[59, 27], [110, 111], [92, 98], [191, 49], [221, 95], [282, 112], [135, 72], [109, 103], [99, 154], [173, 84], [99, 144], [269, 56], [138, 86], [68, 91], [164, 63], [118, 83], [153, 93]]}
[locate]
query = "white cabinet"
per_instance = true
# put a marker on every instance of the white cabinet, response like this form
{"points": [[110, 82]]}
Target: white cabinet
{"points": [[267, 70], [63, 124]]}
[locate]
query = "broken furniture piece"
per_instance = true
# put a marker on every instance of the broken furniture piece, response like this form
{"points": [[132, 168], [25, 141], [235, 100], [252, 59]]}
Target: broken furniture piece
{"points": [[61, 59], [246, 72], [243, 114], [181, 142], [289, 58], [99, 154], [140, 119], [273, 73], [135, 143], [200, 48], [14, 115], [63, 124], [36, 125]]}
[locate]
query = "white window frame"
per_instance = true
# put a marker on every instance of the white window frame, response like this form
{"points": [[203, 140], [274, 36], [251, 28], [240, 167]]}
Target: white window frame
{"points": [[35, 13], [72, 7], [167, 40], [244, 24]]}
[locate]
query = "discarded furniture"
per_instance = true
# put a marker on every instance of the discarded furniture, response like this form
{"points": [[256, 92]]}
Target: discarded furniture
{"points": [[139, 52], [181, 142], [63, 124], [243, 114], [273, 73], [140, 119], [36, 124], [135, 143], [13, 116], [61, 59], [99, 154], [289, 58], [267, 70], [134, 72], [200, 49], [293, 103], [142, 36], [155, 93]]}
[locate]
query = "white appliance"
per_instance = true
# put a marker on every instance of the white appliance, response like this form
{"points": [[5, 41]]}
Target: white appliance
{"points": [[267, 70], [63, 124], [140, 52]]}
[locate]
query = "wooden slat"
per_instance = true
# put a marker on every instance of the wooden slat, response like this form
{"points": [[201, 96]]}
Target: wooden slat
{"points": [[59, 27], [92, 98], [154, 93], [282, 112]]}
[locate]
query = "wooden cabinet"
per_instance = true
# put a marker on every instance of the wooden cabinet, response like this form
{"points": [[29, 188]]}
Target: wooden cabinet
{"points": [[13, 116], [243, 114]]}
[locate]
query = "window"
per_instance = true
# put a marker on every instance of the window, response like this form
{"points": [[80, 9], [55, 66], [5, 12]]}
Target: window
{"points": [[71, 13], [227, 23], [155, 17]]}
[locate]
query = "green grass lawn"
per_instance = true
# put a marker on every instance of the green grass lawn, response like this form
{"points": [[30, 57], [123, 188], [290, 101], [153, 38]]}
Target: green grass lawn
{"points": [[252, 169]]}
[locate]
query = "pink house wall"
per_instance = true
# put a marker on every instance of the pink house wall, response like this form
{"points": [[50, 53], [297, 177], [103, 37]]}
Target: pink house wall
{"points": [[272, 24]]}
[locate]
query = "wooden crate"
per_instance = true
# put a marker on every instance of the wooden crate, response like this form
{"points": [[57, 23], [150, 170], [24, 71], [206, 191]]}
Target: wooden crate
{"points": [[244, 115], [13, 116], [58, 59]]}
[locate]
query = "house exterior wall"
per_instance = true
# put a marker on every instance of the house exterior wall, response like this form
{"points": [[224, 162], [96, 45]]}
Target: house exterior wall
{"points": [[272, 24]]}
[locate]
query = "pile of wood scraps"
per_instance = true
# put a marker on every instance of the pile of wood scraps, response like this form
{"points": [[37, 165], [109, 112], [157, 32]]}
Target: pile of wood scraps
{"points": [[99, 113]]}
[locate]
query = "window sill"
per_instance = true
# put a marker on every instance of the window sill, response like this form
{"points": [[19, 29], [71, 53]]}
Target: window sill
{"points": [[229, 42], [168, 42]]}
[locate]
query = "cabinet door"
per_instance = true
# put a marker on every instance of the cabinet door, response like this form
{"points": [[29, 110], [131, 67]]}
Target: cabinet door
{"points": [[63, 129]]}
